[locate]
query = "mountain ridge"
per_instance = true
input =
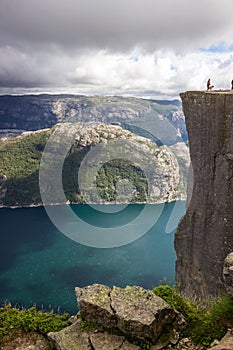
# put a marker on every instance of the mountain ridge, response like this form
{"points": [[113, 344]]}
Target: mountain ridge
{"points": [[33, 112]]}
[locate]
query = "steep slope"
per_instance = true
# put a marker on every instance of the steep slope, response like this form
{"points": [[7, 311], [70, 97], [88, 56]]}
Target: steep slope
{"points": [[128, 168], [205, 235]]}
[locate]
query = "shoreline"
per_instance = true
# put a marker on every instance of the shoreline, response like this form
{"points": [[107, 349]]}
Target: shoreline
{"points": [[79, 203]]}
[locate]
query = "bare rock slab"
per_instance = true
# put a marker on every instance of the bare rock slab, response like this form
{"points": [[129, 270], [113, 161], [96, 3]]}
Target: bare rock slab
{"points": [[74, 338], [134, 311], [106, 341], [71, 338]]}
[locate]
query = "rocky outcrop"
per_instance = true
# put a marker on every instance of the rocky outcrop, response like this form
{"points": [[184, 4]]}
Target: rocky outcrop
{"points": [[133, 311], [204, 236], [122, 319], [155, 174], [76, 338]]}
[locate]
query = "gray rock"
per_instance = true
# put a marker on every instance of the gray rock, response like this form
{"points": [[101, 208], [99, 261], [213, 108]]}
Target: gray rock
{"points": [[71, 338], [94, 304], [140, 313], [74, 338], [106, 341], [136, 312], [204, 236]]}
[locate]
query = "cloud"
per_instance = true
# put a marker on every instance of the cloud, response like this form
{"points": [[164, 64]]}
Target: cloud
{"points": [[115, 24], [140, 47], [104, 72], [163, 71]]}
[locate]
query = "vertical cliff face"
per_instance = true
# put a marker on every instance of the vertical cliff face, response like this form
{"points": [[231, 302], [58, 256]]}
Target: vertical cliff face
{"points": [[205, 234]]}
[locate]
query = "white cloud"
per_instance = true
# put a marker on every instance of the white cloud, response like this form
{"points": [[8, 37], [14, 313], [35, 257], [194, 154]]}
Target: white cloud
{"points": [[139, 47], [137, 72], [162, 71]]}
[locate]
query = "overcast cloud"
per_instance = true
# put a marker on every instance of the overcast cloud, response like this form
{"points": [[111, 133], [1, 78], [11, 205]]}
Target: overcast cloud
{"points": [[140, 47]]}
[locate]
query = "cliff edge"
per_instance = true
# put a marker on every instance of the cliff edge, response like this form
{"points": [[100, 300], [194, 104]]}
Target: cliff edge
{"points": [[204, 236]]}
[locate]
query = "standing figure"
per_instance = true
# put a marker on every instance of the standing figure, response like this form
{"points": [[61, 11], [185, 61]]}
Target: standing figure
{"points": [[232, 84], [209, 86]]}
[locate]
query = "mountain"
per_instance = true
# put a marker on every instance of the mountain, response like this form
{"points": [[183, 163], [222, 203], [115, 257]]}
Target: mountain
{"points": [[94, 163], [162, 121]]}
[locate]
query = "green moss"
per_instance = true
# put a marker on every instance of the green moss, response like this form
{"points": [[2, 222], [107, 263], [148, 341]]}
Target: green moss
{"points": [[31, 319], [89, 326], [204, 324]]}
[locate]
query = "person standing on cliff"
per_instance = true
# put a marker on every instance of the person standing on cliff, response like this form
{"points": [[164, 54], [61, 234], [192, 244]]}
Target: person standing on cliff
{"points": [[209, 86], [232, 84]]}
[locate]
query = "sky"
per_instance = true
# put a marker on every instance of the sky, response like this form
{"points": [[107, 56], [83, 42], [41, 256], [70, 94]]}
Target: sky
{"points": [[143, 48]]}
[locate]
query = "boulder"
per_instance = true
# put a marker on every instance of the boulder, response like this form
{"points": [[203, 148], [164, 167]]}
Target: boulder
{"points": [[71, 338], [134, 311]]}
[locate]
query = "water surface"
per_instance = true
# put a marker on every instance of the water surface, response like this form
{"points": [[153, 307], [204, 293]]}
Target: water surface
{"points": [[39, 265]]}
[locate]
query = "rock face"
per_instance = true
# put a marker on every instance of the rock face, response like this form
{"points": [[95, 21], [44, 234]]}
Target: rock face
{"points": [[204, 236], [134, 311]]}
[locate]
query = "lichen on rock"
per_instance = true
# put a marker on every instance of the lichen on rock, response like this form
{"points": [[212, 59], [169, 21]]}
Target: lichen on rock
{"points": [[134, 311]]}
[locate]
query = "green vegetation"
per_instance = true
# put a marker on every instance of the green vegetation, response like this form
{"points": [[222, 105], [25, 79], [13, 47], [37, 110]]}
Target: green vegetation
{"points": [[12, 319], [112, 172], [142, 345], [20, 161], [89, 326], [204, 324]]}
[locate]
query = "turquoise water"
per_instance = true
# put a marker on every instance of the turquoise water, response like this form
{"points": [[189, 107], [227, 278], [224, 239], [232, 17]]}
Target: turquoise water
{"points": [[41, 266]]}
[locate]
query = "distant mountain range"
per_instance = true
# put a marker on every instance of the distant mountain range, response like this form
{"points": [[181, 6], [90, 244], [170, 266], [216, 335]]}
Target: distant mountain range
{"points": [[162, 121], [154, 170]]}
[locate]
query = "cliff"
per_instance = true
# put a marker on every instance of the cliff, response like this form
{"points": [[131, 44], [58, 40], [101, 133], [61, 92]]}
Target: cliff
{"points": [[205, 234]]}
